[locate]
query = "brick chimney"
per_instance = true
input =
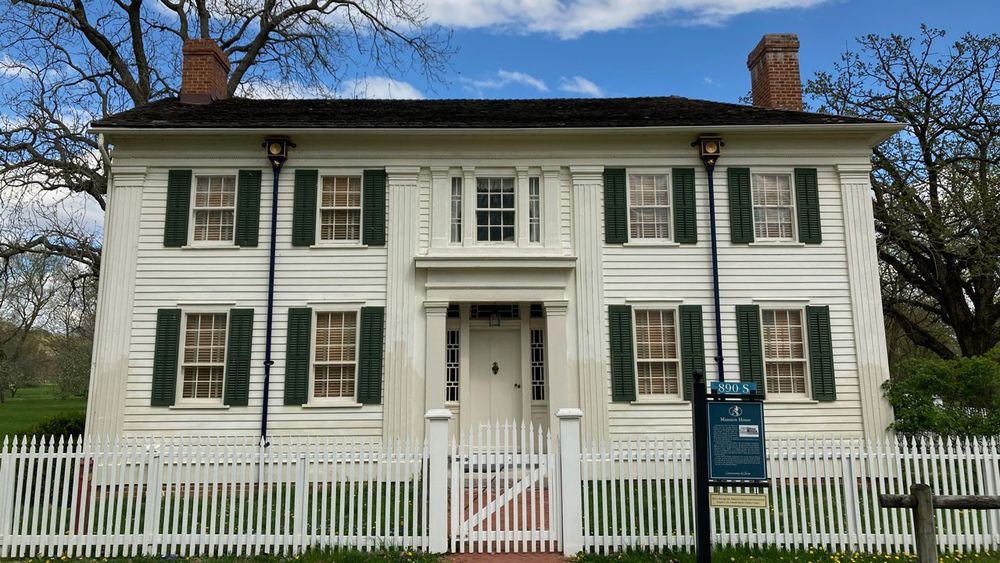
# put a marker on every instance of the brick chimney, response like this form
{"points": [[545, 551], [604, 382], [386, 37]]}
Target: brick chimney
{"points": [[774, 72], [205, 72]]}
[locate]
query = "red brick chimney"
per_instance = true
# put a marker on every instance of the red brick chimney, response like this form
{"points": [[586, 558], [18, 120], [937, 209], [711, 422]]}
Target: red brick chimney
{"points": [[205, 72], [774, 72]]}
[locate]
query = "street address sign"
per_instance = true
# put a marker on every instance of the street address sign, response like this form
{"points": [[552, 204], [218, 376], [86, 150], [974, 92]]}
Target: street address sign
{"points": [[733, 388]]}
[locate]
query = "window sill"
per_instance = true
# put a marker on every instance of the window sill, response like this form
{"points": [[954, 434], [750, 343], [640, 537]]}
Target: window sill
{"points": [[212, 246], [199, 407], [786, 243], [343, 405], [663, 401], [339, 245], [790, 401], [651, 244]]}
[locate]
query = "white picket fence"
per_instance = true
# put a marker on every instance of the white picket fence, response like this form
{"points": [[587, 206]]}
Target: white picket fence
{"points": [[823, 493], [208, 496], [502, 488]]}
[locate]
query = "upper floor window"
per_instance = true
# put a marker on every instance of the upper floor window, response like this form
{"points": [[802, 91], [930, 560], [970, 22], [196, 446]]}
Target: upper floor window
{"points": [[456, 209], [773, 206], [203, 363], [784, 351], [649, 206], [534, 209], [335, 358], [340, 208], [656, 352], [214, 208], [495, 211]]}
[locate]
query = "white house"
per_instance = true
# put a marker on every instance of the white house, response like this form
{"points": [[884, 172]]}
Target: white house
{"points": [[499, 258]]}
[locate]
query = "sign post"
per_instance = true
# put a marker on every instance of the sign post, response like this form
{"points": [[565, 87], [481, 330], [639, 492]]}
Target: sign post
{"points": [[702, 519]]}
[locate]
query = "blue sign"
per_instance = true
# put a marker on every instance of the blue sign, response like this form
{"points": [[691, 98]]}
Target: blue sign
{"points": [[736, 441], [733, 388]]}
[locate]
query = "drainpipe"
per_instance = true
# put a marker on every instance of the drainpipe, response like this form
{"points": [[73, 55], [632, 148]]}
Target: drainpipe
{"points": [[277, 153], [710, 148]]}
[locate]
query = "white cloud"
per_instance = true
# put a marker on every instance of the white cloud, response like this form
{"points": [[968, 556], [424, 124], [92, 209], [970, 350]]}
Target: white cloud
{"points": [[505, 78], [572, 18], [580, 85], [379, 87]]}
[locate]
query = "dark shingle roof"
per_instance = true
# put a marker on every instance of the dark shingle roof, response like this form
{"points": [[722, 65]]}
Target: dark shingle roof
{"points": [[245, 113]]}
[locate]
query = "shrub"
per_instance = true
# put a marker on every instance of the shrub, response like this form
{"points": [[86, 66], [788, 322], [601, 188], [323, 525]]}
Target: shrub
{"points": [[66, 425], [959, 397]]}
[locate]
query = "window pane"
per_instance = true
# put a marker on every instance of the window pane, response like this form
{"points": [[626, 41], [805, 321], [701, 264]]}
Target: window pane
{"points": [[772, 206], [340, 224], [657, 378], [656, 352], [456, 210], [214, 203], [213, 225], [452, 366], [495, 209], [335, 354], [204, 356], [784, 351], [649, 206], [534, 210], [340, 208]]}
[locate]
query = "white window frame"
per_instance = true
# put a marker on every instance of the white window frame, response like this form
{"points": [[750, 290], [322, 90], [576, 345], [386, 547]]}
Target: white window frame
{"points": [[313, 400], [481, 175], [677, 346], [767, 171], [456, 220], [538, 180], [670, 204], [193, 209], [319, 240], [453, 324], [807, 389], [180, 399]]}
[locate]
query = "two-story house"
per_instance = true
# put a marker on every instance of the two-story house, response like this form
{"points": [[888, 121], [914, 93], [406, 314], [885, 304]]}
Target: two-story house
{"points": [[499, 258]]}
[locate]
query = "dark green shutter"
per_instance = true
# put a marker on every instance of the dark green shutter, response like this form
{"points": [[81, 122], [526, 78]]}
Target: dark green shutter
{"points": [[685, 207], [238, 357], [615, 206], [622, 359], [370, 355], [807, 205], [824, 385], [248, 207], [373, 208], [749, 344], [297, 356], [692, 345], [740, 205], [175, 224], [165, 355], [304, 208]]}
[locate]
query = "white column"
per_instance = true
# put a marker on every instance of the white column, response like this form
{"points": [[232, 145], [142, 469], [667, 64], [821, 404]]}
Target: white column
{"points": [[866, 297], [588, 221], [569, 480], [436, 316], [437, 481], [404, 357], [115, 297], [469, 206], [563, 386], [550, 206], [440, 207]]}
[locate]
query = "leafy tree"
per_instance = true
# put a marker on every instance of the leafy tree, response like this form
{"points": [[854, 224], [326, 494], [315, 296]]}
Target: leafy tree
{"points": [[936, 185], [64, 63]]}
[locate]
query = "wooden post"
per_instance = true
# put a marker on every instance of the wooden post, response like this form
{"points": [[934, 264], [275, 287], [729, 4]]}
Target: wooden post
{"points": [[923, 523]]}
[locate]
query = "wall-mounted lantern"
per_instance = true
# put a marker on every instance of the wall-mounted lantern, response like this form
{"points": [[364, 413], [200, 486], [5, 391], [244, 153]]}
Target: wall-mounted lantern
{"points": [[277, 150]]}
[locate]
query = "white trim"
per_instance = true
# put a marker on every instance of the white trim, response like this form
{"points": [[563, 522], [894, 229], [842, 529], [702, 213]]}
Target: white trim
{"points": [[228, 243], [192, 406], [779, 302], [335, 305], [775, 171], [203, 306], [668, 178], [806, 395], [311, 399], [346, 172], [194, 402], [675, 311], [665, 303]]}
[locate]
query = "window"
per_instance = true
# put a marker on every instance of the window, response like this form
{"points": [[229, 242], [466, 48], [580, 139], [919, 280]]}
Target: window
{"points": [[456, 210], [340, 208], [495, 209], [773, 206], [451, 366], [656, 358], [534, 209], [335, 357], [784, 351], [204, 362], [649, 206], [214, 208], [537, 364]]}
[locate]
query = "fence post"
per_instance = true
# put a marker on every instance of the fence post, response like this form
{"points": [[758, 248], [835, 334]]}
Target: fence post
{"points": [[437, 446], [850, 496], [154, 495], [923, 523], [6, 495], [301, 491], [569, 481]]}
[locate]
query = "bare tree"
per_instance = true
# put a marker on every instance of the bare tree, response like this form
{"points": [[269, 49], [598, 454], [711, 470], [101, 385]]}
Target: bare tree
{"points": [[64, 63], [936, 185]]}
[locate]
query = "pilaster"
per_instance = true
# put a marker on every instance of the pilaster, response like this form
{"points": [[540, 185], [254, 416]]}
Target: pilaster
{"points": [[435, 321]]}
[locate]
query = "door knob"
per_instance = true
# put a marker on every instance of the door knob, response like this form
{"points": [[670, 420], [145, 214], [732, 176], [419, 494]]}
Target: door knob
{"points": [[495, 368]]}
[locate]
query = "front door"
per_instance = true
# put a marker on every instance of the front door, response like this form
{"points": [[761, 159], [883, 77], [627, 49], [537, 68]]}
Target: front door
{"points": [[494, 376]]}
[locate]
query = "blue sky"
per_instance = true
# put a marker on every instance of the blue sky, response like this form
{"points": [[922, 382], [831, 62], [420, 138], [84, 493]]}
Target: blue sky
{"points": [[660, 47]]}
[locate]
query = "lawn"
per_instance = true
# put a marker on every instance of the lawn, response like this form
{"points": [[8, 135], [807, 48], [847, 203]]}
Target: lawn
{"points": [[33, 405]]}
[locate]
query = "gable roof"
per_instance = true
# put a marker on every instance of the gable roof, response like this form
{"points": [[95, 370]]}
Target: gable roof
{"points": [[247, 113]]}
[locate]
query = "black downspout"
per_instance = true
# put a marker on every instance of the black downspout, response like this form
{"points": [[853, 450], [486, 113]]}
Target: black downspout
{"points": [[710, 169], [276, 172]]}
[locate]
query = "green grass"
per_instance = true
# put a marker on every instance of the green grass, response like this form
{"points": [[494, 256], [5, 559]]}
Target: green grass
{"points": [[738, 554], [34, 405], [387, 555]]}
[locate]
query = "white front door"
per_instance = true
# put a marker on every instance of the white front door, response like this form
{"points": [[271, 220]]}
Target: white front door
{"points": [[494, 376]]}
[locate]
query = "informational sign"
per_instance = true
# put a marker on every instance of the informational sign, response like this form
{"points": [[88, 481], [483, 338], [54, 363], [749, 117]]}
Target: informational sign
{"points": [[733, 388], [736, 441], [738, 500]]}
